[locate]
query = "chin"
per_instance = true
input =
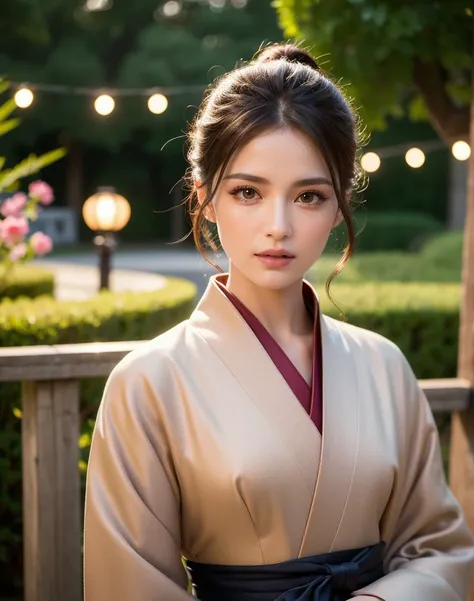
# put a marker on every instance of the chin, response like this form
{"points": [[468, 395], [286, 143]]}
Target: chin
{"points": [[277, 279]]}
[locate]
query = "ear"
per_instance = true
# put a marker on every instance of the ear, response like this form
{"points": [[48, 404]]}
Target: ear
{"points": [[201, 192], [339, 216], [338, 219]]}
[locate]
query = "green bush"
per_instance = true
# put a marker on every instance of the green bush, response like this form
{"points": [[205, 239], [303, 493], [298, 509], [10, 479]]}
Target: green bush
{"points": [[444, 251], [388, 231], [422, 319], [106, 317], [392, 267], [25, 280]]}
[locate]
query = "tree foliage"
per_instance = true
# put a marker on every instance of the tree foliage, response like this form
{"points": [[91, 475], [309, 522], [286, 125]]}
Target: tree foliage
{"points": [[131, 45], [401, 58], [10, 177]]}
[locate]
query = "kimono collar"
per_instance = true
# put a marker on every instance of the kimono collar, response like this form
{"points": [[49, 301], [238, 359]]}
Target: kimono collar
{"points": [[219, 323], [213, 295]]}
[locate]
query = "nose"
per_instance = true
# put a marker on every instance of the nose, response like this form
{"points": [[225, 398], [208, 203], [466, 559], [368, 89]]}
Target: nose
{"points": [[279, 219]]}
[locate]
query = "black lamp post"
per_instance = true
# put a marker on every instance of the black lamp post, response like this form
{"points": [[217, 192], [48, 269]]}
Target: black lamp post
{"points": [[105, 213]]}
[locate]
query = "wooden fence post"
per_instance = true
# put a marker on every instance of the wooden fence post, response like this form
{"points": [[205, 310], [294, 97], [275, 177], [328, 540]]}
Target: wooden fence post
{"points": [[462, 428], [51, 491]]}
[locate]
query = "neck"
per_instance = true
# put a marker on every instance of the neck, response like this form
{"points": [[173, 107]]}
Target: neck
{"points": [[282, 312]]}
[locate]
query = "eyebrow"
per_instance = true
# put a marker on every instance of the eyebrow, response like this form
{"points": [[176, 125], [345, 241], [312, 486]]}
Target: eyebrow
{"points": [[309, 181]]}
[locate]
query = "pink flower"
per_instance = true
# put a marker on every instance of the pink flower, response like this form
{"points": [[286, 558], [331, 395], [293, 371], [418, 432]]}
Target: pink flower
{"points": [[14, 229], [18, 251], [41, 243], [14, 205], [42, 192]]}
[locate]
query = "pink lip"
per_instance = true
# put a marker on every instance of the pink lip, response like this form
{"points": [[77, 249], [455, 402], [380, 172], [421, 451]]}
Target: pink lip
{"points": [[279, 252], [274, 262]]}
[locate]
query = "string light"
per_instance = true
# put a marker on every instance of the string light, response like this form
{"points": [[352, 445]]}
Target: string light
{"points": [[171, 8], [370, 162], [97, 5], [104, 104], [24, 98], [158, 103], [461, 150], [415, 158]]}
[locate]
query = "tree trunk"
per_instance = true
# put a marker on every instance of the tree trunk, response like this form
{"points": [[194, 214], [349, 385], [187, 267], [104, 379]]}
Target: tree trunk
{"points": [[457, 193], [450, 121], [462, 429]]}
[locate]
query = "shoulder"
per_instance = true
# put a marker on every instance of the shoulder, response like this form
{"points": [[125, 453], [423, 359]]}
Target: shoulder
{"points": [[149, 372], [377, 352], [141, 388], [154, 353], [380, 362], [385, 376], [365, 340]]}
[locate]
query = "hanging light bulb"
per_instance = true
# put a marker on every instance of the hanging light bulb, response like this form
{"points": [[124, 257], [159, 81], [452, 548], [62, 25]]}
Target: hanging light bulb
{"points": [[461, 150], [415, 157], [370, 162], [23, 98], [157, 104], [104, 104], [171, 8]]}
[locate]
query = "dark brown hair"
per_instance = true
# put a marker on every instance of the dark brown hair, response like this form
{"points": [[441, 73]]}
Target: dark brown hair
{"points": [[282, 87]]}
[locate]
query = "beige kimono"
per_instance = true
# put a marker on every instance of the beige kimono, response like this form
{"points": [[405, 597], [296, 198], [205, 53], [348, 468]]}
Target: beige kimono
{"points": [[201, 449]]}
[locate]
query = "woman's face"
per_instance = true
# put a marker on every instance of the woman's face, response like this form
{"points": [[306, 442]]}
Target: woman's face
{"points": [[276, 195]]}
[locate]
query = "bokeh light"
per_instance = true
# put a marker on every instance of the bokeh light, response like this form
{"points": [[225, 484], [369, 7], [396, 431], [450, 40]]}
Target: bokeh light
{"points": [[461, 150], [415, 158], [24, 98], [171, 8], [104, 104], [157, 104], [97, 5], [370, 162]]}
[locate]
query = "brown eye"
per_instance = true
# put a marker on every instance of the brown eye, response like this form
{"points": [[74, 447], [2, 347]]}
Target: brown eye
{"points": [[246, 194], [309, 197]]}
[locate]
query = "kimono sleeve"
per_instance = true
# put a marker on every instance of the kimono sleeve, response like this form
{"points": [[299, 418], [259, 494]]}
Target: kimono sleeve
{"points": [[132, 518], [430, 550]]}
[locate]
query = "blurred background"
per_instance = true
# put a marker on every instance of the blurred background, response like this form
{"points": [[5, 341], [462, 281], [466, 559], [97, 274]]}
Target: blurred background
{"points": [[407, 67], [95, 98]]}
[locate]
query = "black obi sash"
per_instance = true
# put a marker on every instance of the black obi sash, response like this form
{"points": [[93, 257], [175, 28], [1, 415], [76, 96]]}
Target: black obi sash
{"points": [[329, 577]]}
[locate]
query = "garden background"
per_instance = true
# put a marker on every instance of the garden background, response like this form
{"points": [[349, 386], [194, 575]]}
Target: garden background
{"points": [[409, 72]]}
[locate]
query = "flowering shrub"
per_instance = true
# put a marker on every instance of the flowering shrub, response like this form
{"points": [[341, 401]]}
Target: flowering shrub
{"points": [[20, 208], [15, 214]]}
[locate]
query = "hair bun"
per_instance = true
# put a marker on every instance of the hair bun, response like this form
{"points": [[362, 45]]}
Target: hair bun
{"points": [[289, 52]]}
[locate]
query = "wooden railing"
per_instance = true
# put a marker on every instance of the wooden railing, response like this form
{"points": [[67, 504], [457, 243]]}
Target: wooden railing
{"points": [[52, 512]]}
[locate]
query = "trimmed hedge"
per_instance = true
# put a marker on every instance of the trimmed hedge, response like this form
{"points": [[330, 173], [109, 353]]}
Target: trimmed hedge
{"points": [[25, 280], [444, 251], [106, 317], [422, 319], [388, 231], [439, 260], [386, 267]]}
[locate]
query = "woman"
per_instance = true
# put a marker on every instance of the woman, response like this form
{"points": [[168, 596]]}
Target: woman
{"points": [[284, 454]]}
